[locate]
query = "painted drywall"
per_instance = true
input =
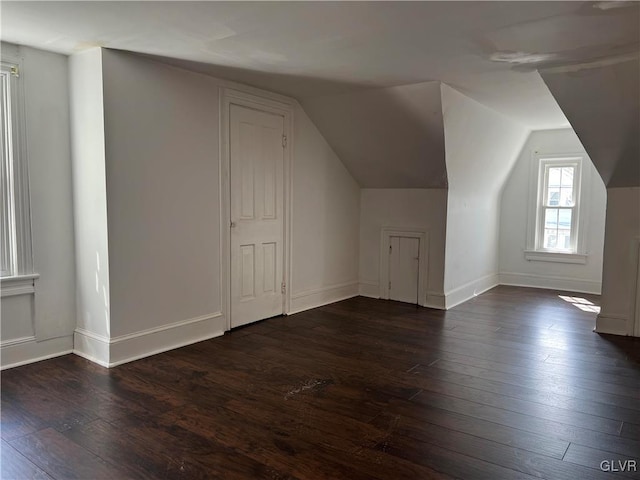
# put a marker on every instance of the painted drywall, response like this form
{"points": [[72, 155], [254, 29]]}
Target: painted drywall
{"points": [[609, 121], [326, 211], [619, 275], [89, 193], [386, 137], [515, 269], [161, 164], [49, 314], [161, 140], [421, 209], [481, 147]]}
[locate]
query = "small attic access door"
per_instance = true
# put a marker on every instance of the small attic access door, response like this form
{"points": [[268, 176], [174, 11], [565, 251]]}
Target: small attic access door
{"points": [[403, 263]]}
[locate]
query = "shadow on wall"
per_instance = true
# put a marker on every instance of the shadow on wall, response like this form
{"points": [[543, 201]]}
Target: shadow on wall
{"points": [[386, 137], [298, 86]]}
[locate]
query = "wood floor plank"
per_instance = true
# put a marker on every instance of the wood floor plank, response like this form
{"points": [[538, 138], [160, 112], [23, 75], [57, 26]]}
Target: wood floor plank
{"points": [[14, 465], [572, 404], [424, 415], [618, 465], [531, 423], [508, 457], [512, 384], [61, 458]]}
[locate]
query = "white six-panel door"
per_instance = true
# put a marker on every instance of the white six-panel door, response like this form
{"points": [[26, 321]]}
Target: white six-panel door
{"points": [[257, 209]]}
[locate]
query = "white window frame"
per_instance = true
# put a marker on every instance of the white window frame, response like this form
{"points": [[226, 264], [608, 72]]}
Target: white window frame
{"points": [[15, 177], [535, 250]]}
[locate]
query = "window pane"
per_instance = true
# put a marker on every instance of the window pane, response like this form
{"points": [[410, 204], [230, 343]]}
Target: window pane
{"points": [[553, 197], [564, 228], [6, 224], [550, 238], [564, 218], [567, 176], [554, 177], [551, 218], [566, 197]]}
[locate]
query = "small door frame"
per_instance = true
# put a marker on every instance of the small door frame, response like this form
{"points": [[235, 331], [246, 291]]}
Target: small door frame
{"points": [[423, 263], [228, 97]]}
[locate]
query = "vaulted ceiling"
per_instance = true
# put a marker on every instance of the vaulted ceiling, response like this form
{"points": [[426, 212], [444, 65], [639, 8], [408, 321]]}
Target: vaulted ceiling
{"points": [[316, 48], [607, 123], [352, 63]]}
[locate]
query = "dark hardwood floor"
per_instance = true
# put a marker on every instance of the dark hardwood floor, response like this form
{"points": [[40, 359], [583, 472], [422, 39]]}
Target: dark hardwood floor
{"points": [[513, 384]]}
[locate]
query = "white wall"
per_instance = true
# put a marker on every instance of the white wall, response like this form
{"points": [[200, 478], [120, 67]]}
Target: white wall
{"points": [[326, 212], [481, 147], [387, 137], [422, 209], [619, 276], [602, 103], [161, 171], [41, 324], [161, 137], [89, 200], [514, 219]]}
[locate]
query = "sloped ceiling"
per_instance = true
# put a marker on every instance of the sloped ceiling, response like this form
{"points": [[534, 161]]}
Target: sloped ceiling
{"points": [[367, 69], [386, 137], [602, 101], [307, 49]]}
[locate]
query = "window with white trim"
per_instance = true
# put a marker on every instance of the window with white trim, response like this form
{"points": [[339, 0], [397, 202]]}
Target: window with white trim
{"points": [[558, 205], [15, 234], [557, 212]]}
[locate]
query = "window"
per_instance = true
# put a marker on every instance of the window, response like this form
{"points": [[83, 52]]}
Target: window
{"points": [[559, 186], [15, 236], [555, 224]]}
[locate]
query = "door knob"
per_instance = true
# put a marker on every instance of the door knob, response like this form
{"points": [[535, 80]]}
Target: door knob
{"points": [[233, 224]]}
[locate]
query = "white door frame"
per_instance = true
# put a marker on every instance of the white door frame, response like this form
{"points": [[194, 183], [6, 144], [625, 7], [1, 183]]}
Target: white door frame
{"points": [[228, 97], [423, 262]]}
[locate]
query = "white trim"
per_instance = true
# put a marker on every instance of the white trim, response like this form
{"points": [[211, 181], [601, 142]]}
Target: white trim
{"points": [[22, 246], [21, 351], [18, 285], [612, 324], [17, 341], [470, 290], [539, 161], [266, 102], [436, 300], [556, 257], [110, 352], [568, 284], [318, 297], [369, 289], [94, 348], [423, 263]]}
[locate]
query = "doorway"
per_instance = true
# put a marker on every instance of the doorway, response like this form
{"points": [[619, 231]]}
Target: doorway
{"points": [[404, 271], [404, 265], [254, 176]]}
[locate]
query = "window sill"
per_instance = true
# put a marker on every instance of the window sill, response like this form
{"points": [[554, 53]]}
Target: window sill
{"points": [[18, 285], [557, 257]]}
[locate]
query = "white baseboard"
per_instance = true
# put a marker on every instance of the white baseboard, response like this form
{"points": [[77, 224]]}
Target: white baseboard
{"points": [[553, 283], [110, 352], [612, 324], [369, 289], [91, 346], [21, 351], [469, 290], [322, 296], [435, 300]]}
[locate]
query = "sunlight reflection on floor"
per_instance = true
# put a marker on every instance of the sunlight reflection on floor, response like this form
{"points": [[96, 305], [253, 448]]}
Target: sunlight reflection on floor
{"points": [[581, 303]]}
